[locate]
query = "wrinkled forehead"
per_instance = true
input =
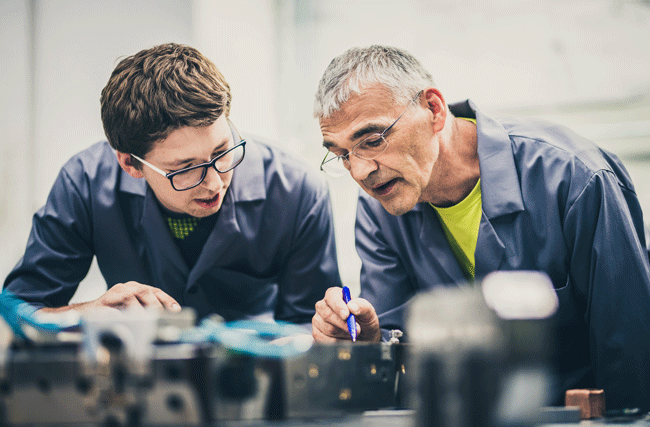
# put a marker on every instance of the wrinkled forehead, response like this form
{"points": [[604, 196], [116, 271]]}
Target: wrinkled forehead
{"points": [[370, 111]]}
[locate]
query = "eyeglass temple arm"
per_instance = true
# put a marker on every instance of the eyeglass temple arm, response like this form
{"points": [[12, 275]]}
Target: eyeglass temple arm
{"points": [[160, 171], [403, 112], [323, 161], [236, 130]]}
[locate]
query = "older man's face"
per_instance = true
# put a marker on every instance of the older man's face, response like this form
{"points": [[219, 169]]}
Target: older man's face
{"points": [[399, 177]]}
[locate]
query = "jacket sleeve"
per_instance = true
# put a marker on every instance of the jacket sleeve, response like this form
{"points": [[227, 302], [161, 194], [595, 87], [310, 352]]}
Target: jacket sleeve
{"points": [[311, 267], [59, 249], [609, 269], [384, 279]]}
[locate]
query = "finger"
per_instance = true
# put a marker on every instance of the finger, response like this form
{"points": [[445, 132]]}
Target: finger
{"points": [[363, 311], [325, 333], [368, 322], [327, 329], [321, 338], [148, 296], [167, 302], [121, 295], [325, 313], [129, 302], [334, 300], [148, 299]]}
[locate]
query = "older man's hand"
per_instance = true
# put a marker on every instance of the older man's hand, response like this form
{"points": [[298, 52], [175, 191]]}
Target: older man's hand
{"points": [[329, 324]]}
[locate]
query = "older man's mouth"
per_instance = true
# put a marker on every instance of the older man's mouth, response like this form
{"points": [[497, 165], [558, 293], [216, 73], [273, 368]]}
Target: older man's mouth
{"points": [[384, 189]]}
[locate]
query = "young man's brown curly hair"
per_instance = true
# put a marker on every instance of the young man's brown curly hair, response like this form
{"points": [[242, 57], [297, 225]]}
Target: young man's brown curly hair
{"points": [[158, 90]]}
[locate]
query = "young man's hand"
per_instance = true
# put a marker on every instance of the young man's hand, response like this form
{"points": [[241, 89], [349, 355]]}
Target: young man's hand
{"points": [[329, 324], [126, 295]]}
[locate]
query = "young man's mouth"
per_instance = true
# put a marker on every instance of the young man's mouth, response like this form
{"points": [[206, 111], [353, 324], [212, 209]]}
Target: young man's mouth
{"points": [[208, 203]]}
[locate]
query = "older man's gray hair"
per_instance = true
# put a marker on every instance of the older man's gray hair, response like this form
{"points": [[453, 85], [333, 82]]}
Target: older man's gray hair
{"points": [[359, 68]]}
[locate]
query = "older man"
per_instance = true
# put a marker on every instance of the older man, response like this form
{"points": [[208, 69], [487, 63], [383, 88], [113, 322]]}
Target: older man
{"points": [[451, 194]]}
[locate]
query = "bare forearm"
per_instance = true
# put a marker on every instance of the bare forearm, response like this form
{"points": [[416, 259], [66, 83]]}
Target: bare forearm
{"points": [[78, 307]]}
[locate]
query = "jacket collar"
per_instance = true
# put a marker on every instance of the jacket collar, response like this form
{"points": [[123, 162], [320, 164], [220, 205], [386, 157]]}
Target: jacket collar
{"points": [[500, 188]]}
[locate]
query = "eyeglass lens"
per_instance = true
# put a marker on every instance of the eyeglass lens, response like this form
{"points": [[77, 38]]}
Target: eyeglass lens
{"points": [[368, 149], [193, 177]]}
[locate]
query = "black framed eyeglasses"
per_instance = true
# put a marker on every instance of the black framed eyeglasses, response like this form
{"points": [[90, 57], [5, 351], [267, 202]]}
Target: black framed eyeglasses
{"points": [[190, 177], [369, 148]]}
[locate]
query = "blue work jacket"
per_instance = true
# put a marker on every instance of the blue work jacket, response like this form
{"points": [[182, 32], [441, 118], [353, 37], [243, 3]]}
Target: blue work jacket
{"points": [[271, 252], [552, 201]]}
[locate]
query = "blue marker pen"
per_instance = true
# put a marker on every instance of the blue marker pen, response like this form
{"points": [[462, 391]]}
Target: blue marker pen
{"points": [[352, 322]]}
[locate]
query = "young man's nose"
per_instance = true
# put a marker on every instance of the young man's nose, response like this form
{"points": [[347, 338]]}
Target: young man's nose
{"points": [[213, 180]]}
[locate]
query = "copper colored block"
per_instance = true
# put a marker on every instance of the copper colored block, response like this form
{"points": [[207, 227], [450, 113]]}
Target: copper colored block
{"points": [[590, 401]]}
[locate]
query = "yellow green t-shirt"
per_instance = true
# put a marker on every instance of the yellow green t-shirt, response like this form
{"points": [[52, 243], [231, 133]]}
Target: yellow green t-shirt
{"points": [[460, 224]]}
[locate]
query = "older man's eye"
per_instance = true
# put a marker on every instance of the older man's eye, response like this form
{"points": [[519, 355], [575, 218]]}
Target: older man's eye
{"points": [[372, 142]]}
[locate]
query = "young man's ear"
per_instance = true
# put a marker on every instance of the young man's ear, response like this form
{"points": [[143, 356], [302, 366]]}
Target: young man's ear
{"points": [[126, 161], [438, 107]]}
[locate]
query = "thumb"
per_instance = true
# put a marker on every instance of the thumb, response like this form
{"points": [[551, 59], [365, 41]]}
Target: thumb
{"points": [[366, 318], [363, 311]]}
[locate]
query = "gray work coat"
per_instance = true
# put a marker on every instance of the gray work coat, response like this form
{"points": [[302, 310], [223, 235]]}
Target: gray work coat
{"points": [[554, 202], [271, 251]]}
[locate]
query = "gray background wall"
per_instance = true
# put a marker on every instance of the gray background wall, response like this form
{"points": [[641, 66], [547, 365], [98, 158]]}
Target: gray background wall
{"points": [[581, 63]]}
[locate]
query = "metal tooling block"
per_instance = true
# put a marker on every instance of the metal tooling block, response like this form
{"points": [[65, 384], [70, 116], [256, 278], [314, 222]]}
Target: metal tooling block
{"points": [[344, 378]]}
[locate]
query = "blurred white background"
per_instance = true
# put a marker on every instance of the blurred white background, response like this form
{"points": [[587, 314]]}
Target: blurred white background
{"points": [[585, 64]]}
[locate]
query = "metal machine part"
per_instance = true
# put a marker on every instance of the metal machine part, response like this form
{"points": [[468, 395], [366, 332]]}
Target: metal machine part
{"points": [[332, 380], [477, 356], [481, 353], [49, 385], [133, 369]]}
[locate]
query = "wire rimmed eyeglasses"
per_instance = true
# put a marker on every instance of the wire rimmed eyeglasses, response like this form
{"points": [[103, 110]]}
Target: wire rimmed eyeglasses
{"points": [[190, 177], [369, 148]]}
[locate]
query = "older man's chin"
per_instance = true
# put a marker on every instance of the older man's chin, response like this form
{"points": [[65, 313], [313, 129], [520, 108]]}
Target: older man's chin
{"points": [[397, 205]]}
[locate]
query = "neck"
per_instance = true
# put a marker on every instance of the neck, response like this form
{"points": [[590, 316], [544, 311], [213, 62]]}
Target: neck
{"points": [[457, 169]]}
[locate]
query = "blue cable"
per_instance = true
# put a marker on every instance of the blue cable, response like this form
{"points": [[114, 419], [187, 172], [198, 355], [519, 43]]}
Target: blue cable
{"points": [[17, 313], [242, 336]]}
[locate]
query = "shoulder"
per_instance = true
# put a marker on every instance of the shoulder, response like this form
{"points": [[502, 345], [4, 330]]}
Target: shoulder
{"points": [[554, 140], [95, 171], [98, 160], [557, 147], [566, 165]]}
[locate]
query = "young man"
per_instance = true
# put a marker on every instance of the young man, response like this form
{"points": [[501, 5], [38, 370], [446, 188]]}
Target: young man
{"points": [[451, 195], [179, 208]]}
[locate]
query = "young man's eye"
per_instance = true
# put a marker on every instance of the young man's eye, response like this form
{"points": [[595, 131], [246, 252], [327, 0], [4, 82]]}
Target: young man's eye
{"points": [[180, 168]]}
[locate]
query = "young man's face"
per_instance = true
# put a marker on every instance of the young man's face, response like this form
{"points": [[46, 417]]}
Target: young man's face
{"points": [[399, 177], [186, 147]]}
